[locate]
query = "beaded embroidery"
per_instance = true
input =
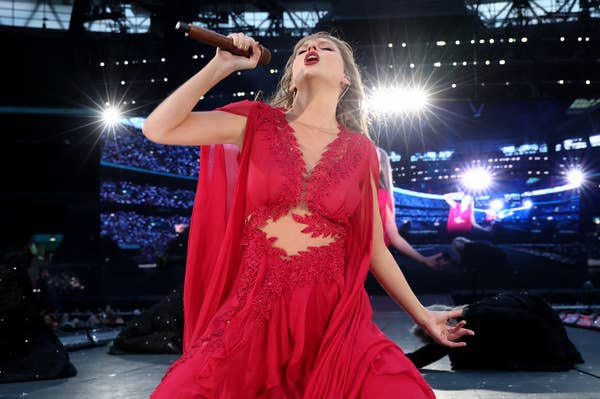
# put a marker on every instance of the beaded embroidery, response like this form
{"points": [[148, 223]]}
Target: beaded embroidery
{"points": [[302, 189]]}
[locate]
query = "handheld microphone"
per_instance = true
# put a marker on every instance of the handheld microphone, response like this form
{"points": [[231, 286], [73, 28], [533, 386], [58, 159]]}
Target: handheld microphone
{"points": [[215, 39]]}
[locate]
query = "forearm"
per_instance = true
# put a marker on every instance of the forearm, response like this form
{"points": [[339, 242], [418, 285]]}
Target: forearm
{"points": [[391, 278], [398, 241], [178, 106]]}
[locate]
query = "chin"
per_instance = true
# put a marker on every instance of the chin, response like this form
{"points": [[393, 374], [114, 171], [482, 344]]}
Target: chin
{"points": [[316, 75]]}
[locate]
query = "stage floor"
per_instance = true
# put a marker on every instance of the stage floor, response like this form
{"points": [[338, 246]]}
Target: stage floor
{"points": [[103, 376]]}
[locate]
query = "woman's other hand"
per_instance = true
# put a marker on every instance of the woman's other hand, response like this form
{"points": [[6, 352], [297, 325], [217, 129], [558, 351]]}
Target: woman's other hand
{"points": [[437, 327]]}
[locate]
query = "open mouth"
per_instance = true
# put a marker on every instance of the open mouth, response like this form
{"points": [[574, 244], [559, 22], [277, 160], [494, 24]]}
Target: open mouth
{"points": [[312, 57]]}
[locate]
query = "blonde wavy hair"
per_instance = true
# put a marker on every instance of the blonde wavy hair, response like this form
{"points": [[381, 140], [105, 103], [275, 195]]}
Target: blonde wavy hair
{"points": [[351, 110], [385, 171]]}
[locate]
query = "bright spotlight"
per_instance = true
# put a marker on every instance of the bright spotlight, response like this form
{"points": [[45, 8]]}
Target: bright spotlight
{"points": [[527, 204], [496, 204], [477, 179], [575, 177], [111, 116], [397, 100]]}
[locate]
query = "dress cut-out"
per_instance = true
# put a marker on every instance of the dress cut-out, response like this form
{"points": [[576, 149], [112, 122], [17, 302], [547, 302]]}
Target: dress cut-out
{"points": [[274, 302]]}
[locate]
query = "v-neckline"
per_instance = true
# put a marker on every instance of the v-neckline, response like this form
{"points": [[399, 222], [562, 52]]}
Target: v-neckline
{"points": [[307, 174]]}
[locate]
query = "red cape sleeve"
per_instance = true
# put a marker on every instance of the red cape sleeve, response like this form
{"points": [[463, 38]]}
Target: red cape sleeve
{"points": [[212, 256], [241, 108]]}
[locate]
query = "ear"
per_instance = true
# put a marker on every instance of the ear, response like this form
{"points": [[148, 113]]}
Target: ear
{"points": [[346, 81]]}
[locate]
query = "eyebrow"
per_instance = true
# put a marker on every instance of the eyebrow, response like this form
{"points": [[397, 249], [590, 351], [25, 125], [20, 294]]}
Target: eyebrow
{"points": [[321, 41]]}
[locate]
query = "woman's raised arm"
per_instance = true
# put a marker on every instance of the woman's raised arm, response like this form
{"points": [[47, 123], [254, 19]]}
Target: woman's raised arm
{"points": [[173, 121]]}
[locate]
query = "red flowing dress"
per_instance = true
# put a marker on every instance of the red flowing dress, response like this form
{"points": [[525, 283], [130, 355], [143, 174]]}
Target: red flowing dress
{"points": [[274, 302]]}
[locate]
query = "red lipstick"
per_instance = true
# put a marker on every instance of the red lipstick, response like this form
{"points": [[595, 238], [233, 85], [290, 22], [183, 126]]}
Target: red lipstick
{"points": [[311, 58]]}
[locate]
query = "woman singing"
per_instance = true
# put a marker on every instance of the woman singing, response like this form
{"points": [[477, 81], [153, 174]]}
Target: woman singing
{"points": [[282, 235]]}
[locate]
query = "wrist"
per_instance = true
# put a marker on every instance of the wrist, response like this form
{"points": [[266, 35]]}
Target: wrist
{"points": [[221, 69], [421, 316]]}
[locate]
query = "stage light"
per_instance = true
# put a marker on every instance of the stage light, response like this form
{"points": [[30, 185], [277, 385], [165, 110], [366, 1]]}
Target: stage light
{"points": [[111, 116], [454, 85], [440, 43], [122, 83], [403, 44], [487, 62], [575, 177], [144, 61], [507, 83], [502, 62], [437, 64], [587, 82], [126, 62], [560, 82], [454, 63], [102, 64], [527, 204], [562, 38], [457, 42], [162, 59], [481, 41], [390, 45], [512, 40], [464, 63], [579, 39], [491, 41], [587, 39], [412, 65], [524, 39], [195, 56], [496, 204], [397, 100], [477, 179]]}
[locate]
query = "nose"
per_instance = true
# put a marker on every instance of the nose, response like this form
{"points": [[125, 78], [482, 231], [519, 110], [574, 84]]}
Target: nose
{"points": [[311, 46]]}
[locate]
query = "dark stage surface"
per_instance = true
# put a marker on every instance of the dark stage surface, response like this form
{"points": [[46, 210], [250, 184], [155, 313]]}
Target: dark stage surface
{"points": [[105, 376]]}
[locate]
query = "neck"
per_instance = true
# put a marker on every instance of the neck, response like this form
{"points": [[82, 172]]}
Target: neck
{"points": [[315, 106]]}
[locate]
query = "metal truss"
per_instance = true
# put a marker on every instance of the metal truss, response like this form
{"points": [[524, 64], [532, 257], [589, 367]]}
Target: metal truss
{"points": [[497, 14], [259, 18], [263, 18]]}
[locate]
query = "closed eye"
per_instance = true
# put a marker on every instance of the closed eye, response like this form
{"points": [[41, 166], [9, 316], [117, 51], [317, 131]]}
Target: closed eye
{"points": [[323, 48]]}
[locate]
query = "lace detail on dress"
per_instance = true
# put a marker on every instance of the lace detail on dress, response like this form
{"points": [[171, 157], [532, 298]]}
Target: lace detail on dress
{"points": [[301, 197], [287, 272], [283, 273]]}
